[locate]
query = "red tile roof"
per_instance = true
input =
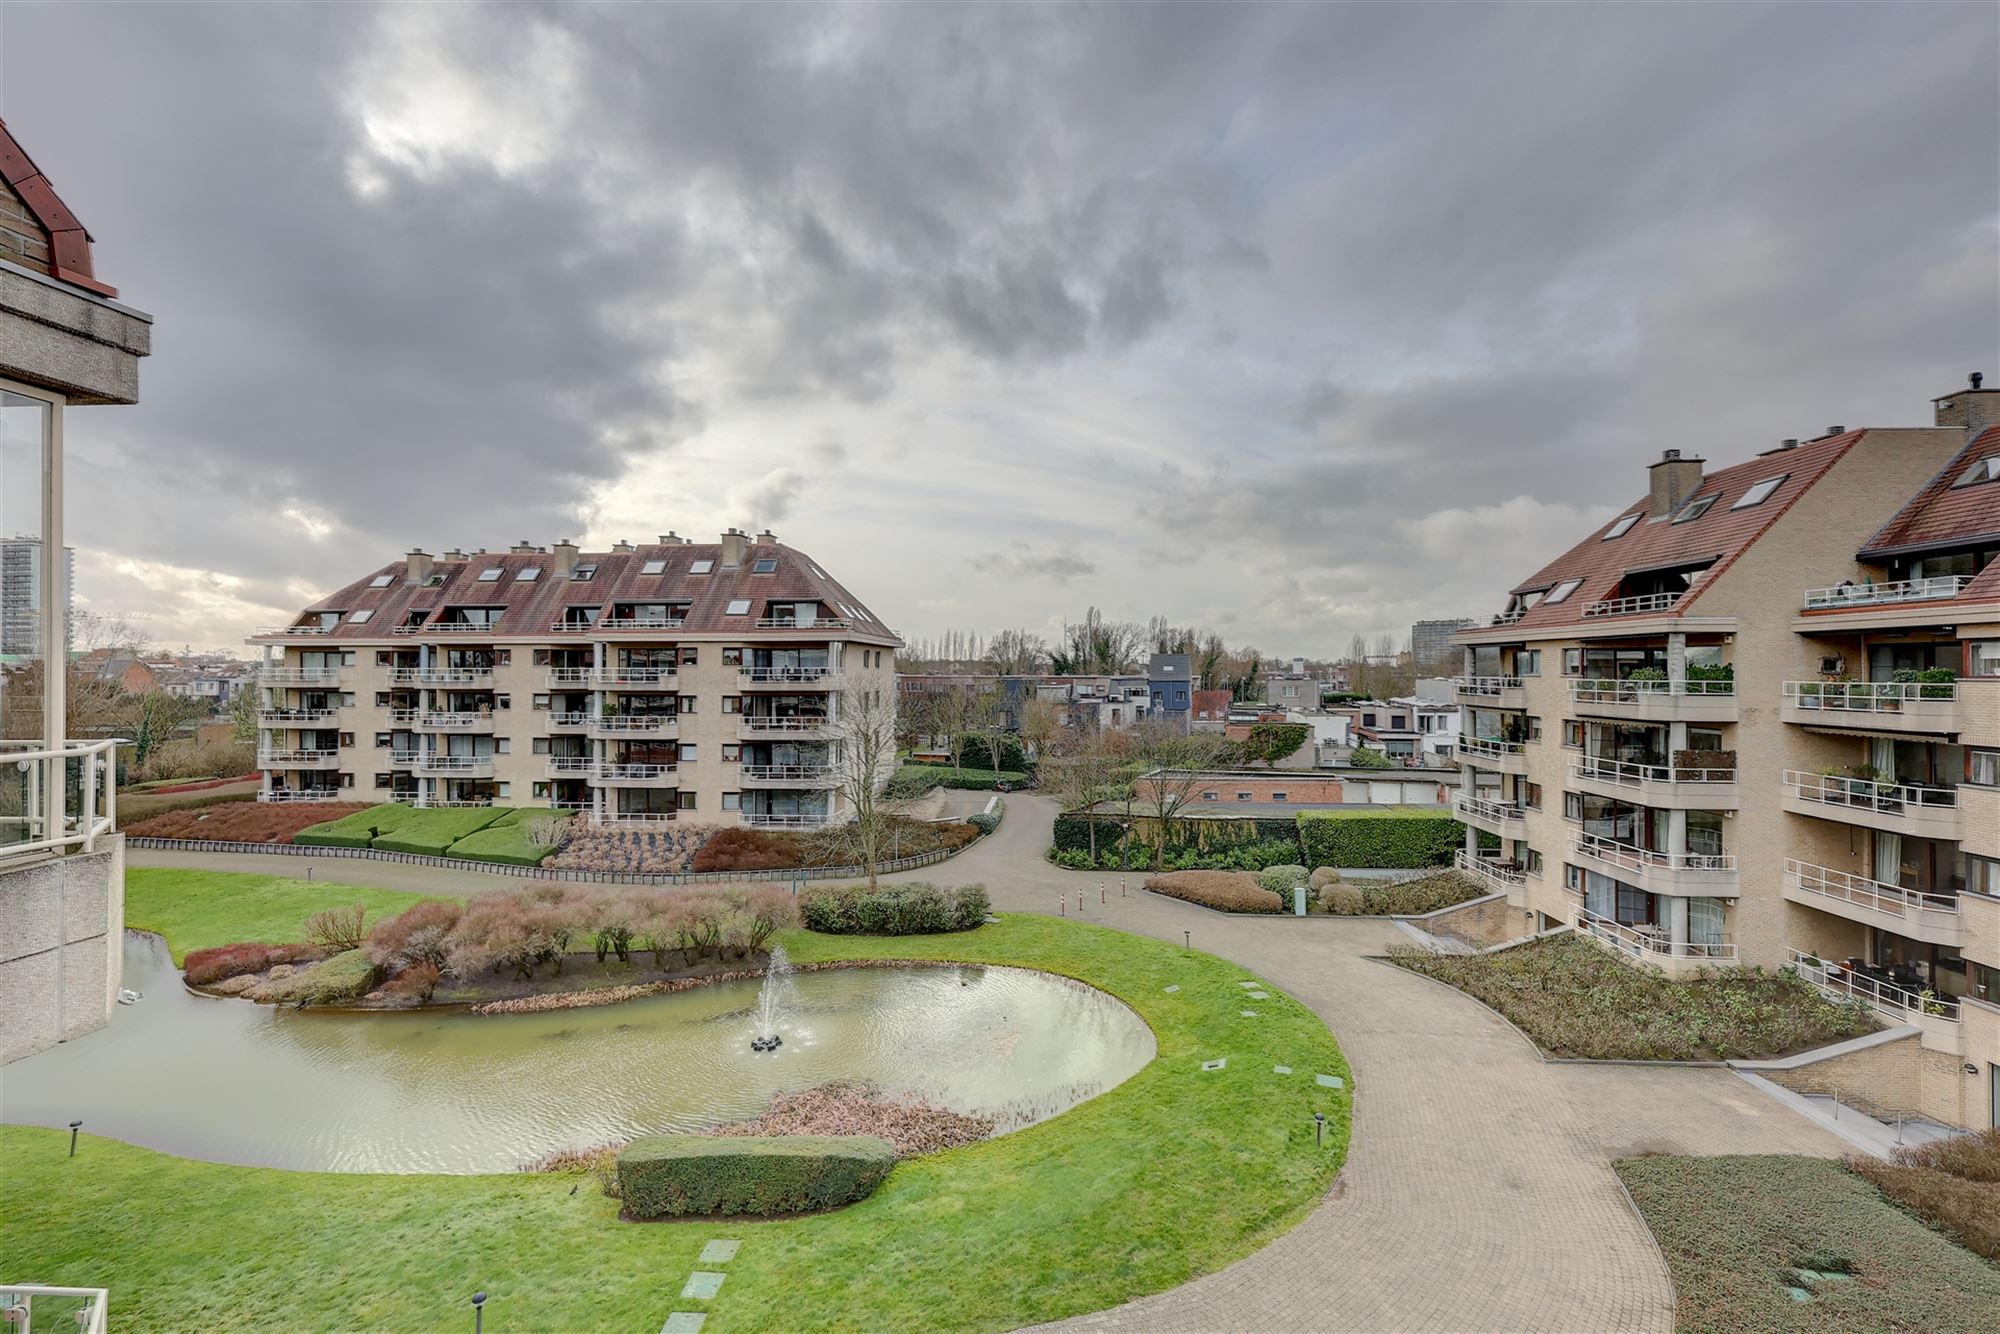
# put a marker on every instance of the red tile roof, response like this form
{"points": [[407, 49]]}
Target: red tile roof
{"points": [[1942, 515], [69, 243], [532, 607], [1721, 534]]}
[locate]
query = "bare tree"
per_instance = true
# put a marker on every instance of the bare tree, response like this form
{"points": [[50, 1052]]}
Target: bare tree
{"points": [[988, 722], [1178, 761], [865, 757], [1041, 721], [1017, 653], [1077, 768]]}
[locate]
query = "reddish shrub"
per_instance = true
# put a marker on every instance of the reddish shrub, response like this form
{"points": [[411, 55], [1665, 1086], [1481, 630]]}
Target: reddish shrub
{"points": [[419, 980], [204, 967], [749, 850], [242, 821], [336, 930], [416, 935], [1230, 891], [1953, 1184]]}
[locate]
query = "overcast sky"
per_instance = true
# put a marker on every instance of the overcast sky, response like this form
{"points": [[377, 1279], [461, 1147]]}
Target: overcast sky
{"points": [[1289, 321]]}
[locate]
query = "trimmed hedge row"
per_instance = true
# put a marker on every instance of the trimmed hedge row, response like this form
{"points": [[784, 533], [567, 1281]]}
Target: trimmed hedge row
{"points": [[506, 840], [974, 754], [665, 1176], [482, 833], [1389, 837], [913, 909]]}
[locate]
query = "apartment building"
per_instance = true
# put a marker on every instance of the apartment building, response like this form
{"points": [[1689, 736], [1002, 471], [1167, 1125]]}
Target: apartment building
{"points": [[1755, 719], [1430, 643], [21, 594], [716, 682]]}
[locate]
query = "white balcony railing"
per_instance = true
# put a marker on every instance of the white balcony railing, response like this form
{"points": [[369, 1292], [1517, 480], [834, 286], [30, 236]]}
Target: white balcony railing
{"points": [[454, 718], [451, 803], [468, 766], [1638, 859], [1647, 942], [753, 722], [786, 675], [1878, 595], [403, 759], [1633, 605], [638, 817], [313, 628], [575, 718], [634, 722], [571, 676], [48, 811], [1867, 893], [1631, 773], [1508, 617], [299, 676], [277, 794], [404, 717], [622, 624], [299, 757], [1888, 998], [451, 628], [786, 773], [17, 1308], [1866, 794], [1486, 868], [295, 717], [572, 764], [1485, 685], [633, 676], [760, 820], [1479, 808], [803, 623], [1866, 696], [1605, 691], [444, 676], [1488, 748], [613, 772]]}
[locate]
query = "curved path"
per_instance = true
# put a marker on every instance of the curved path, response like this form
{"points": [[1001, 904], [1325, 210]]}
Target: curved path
{"points": [[1478, 1192]]}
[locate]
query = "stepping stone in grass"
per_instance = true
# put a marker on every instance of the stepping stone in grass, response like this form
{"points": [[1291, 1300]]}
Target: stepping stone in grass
{"points": [[719, 1252], [1215, 1065], [684, 1322], [1330, 1081], [1281, 1069], [1249, 984], [1260, 995], [702, 1285], [1175, 987], [1248, 1014]]}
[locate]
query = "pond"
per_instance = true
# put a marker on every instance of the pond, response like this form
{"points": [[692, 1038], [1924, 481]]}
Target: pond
{"points": [[232, 1082]]}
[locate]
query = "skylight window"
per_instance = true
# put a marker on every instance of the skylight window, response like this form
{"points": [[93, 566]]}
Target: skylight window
{"points": [[653, 567], [1695, 508], [1761, 492], [767, 565], [738, 607], [1983, 470], [1622, 527], [817, 574], [527, 574], [583, 574], [360, 617], [382, 581], [1561, 591], [491, 576], [701, 567]]}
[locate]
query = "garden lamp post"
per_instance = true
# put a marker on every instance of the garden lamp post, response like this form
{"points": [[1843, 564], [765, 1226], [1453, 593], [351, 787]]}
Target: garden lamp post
{"points": [[74, 1126], [478, 1312], [1319, 1129]]}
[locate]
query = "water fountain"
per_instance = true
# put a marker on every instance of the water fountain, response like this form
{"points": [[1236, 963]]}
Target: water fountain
{"points": [[771, 999]]}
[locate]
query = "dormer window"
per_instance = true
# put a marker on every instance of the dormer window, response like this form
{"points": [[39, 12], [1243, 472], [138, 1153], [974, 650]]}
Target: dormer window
{"points": [[490, 576], [1760, 492], [701, 567], [1982, 470], [653, 567], [583, 574], [1622, 527], [1697, 507], [382, 581]]}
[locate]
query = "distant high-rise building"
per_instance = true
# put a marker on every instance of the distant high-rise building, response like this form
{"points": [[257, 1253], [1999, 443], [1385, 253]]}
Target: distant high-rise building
{"points": [[21, 594], [1430, 642]]}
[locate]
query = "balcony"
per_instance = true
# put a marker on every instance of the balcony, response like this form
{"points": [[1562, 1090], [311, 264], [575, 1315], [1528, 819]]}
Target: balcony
{"points": [[1676, 874], [321, 677], [491, 627], [1895, 808], [1500, 877], [1933, 918], [280, 794], [1655, 701], [476, 677], [454, 720], [1915, 708], [404, 717], [754, 678], [809, 725], [306, 758], [611, 774], [1886, 595], [403, 759], [635, 724], [624, 625], [451, 803], [760, 820], [570, 766], [455, 766], [1650, 946], [1508, 757], [568, 722], [1633, 606], [632, 678], [577, 678], [1678, 787], [637, 818], [803, 623], [296, 717], [788, 775], [1934, 1013], [1491, 692], [310, 630], [1495, 817]]}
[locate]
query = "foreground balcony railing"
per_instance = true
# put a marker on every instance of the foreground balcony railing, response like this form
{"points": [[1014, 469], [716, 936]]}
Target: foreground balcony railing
{"points": [[786, 675], [1898, 1003], [579, 677], [622, 723], [47, 809], [1879, 595], [455, 766], [1489, 870], [17, 1308], [1866, 794], [1480, 810], [1646, 602], [1508, 617], [1593, 691], [786, 773], [455, 719], [442, 676], [579, 765], [1485, 685], [1866, 696], [569, 721], [404, 717], [303, 757], [1648, 943], [633, 676], [612, 771], [1866, 893], [403, 759]]}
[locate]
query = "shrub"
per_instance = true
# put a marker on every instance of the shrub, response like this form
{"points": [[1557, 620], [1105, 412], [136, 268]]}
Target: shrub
{"points": [[1953, 1184], [418, 935], [518, 838], [418, 980], [336, 930], [431, 833], [749, 850], [205, 967], [358, 829], [913, 780], [234, 819], [665, 1176], [910, 1121], [328, 982], [1280, 880], [973, 753], [1324, 876], [1363, 758], [1389, 837], [1229, 891], [1343, 900], [913, 909], [987, 821], [1413, 898], [972, 908]]}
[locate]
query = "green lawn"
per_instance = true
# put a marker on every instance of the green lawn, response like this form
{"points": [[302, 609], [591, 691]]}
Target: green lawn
{"points": [[1174, 1173], [195, 910], [1735, 1229]]}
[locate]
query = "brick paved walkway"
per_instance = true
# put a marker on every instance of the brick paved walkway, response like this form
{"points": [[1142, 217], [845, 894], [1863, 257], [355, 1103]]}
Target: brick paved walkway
{"points": [[1478, 1193]]}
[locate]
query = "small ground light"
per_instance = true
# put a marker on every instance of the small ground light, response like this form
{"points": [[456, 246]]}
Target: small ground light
{"points": [[1319, 1129], [478, 1312], [1187, 939], [74, 1126], [1100, 892]]}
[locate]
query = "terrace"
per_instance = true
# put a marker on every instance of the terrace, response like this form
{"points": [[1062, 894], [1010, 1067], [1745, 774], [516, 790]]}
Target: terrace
{"points": [[1926, 707], [1916, 810], [1932, 918], [1870, 594]]}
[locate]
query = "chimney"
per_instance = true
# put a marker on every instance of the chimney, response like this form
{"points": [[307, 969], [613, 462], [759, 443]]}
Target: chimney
{"points": [[420, 565], [734, 544], [453, 554], [1674, 479], [565, 557], [1973, 407], [621, 546], [524, 547], [670, 538], [767, 538]]}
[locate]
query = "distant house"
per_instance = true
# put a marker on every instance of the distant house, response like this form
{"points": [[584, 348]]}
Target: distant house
{"points": [[1211, 710], [1170, 681]]}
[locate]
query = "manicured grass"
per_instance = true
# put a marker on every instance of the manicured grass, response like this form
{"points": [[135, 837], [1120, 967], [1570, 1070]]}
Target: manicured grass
{"points": [[1173, 1173], [196, 910], [1734, 1229], [1574, 998]]}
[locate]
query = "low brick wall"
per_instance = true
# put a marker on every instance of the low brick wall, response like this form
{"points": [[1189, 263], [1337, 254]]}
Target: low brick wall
{"points": [[1887, 1076], [1482, 922]]}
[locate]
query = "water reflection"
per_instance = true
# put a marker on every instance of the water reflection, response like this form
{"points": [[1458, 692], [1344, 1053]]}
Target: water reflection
{"points": [[240, 1083]]}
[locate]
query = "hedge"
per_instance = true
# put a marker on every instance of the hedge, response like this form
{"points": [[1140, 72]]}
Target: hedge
{"points": [[506, 840], [1390, 837], [913, 780], [663, 1176], [1194, 844], [359, 830], [973, 754], [913, 909], [329, 982], [432, 832]]}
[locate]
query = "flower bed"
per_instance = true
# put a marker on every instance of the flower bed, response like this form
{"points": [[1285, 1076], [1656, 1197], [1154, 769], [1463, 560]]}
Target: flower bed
{"points": [[1225, 891], [1407, 898], [912, 909]]}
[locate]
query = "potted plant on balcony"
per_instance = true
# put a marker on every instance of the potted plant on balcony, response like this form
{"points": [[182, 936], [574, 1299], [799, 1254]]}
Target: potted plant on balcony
{"points": [[1936, 683]]}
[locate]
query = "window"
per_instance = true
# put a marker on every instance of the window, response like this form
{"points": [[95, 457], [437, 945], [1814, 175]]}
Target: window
{"points": [[1561, 591], [381, 699], [501, 791], [655, 567], [686, 703], [688, 657], [1210, 796], [382, 581], [347, 738], [503, 701], [382, 740], [1572, 662], [1573, 806], [1243, 796], [1760, 492], [1697, 507], [1528, 662], [1533, 862], [1277, 796], [738, 607], [686, 800], [687, 752], [361, 617], [732, 754], [767, 565], [1982, 657], [732, 703], [384, 780], [527, 574], [490, 576], [1982, 875], [732, 657], [732, 801], [1984, 470], [699, 567], [540, 746], [1531, 796], [541, 703], [1983, 767], [583, 574], [501, 745], [1622, 527], [1534, 729]]}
